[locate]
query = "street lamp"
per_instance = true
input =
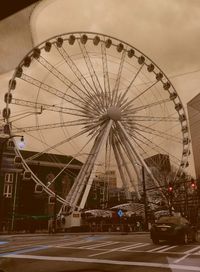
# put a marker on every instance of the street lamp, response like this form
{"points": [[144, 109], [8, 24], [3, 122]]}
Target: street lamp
{"points": [[2, 147]]}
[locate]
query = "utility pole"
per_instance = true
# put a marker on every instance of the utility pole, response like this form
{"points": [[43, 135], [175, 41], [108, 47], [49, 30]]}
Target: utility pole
{"points": [[145, 199]]}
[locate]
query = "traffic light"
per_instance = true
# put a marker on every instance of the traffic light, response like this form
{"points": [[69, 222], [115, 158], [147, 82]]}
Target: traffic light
{"points": [[193, 184], [170, 188]]}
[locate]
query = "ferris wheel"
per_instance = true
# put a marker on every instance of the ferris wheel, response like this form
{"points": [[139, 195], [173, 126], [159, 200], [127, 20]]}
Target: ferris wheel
{"points": [[102, 101]]}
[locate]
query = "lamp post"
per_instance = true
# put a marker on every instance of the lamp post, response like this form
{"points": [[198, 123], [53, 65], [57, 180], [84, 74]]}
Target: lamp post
{"points": [[3, 144]]}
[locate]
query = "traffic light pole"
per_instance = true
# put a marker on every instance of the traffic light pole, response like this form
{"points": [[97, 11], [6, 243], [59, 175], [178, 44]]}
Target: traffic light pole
{"points": [[145, 199]]}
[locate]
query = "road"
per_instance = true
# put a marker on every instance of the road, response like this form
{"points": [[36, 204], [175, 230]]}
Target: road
{"points": [[97, 252]]}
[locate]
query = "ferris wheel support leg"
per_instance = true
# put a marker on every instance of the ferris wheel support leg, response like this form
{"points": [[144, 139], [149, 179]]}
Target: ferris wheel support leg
{"points": [[128, 171], [79, 178], [92, 169], [140, 159], [133, 162], [130, 155], [86, 169], [119, 164], [92, 175]]}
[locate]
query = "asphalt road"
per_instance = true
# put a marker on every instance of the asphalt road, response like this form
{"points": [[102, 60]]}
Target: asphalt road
{"points": [[97, 252]]}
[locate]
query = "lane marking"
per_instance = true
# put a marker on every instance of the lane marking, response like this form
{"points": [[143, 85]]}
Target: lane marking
{"points": [[114, 249], [157, 248], [100, 261], [99, 245], [165, 249], [135, 246], [72, 243], [191, 250], [188, 253], [24, 251]]}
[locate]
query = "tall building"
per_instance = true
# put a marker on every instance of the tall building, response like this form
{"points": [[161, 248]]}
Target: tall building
{"points": [[193, 107]]}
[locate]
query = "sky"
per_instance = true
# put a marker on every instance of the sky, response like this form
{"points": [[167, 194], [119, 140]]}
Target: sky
{"points": [[167, 31]]}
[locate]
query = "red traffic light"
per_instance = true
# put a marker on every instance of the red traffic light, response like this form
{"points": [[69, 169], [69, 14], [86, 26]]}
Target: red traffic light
{"points": [[170, 188], [193, 184]]}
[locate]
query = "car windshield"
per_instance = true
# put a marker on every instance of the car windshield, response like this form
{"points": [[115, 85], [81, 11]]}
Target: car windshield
{"points": [[169, 220]]}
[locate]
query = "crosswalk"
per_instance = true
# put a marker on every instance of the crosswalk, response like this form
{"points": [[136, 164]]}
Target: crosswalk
{"points": [[104, 247], [95, 246]]}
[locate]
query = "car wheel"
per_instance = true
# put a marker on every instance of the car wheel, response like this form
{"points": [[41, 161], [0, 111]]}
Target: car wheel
{"points": [[155, 241]]}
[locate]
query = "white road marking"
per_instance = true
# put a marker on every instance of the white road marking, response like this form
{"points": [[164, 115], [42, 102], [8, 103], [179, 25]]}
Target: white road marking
{"points": [[188, 253], [102, 261], [135, 246], [72, 243], [94, 246], [165, 249], [191, 250], [114, 249], [157, 248]]}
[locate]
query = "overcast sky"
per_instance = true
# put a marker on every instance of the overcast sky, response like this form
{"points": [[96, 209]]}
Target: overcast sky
{"points": [[167, 31]]}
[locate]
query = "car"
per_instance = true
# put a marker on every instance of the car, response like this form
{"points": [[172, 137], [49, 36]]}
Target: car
{"points": [[173, 229]]}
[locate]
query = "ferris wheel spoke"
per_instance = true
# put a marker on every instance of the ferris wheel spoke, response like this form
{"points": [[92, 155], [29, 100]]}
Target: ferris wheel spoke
{"points": [[93, 75], [68, 164], [21, 116], [156, 132], [107, 92], [141, 159], [130, 109], [155, 146], [140, 142], [73, 87], [39, 107], [120, 101], [126, 104], [83, 81], [68, 98], [58, 144], [51, 126], [115, 90], [154, 118]]}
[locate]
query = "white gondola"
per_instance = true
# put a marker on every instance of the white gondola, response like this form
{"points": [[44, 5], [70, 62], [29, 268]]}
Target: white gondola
{"points": [[51, 200], [17, 160], [26, 175], [38, 189]]}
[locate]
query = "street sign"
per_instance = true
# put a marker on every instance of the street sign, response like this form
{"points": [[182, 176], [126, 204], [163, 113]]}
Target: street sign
{"points": [[120, 213]]}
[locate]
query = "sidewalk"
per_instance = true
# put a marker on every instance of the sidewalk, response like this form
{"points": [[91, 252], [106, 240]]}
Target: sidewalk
{"points": [[7, 235]]}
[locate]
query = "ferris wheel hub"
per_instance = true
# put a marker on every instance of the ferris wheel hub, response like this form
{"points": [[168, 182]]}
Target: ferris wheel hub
{"points": [[114, 113]]}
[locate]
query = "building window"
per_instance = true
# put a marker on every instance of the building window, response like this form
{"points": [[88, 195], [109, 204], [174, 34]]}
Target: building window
{"points": [[9, 177], [10, 144], [7, 192]]}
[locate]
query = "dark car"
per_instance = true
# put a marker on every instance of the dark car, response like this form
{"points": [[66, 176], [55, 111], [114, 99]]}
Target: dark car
{"points": [[173, 229]]}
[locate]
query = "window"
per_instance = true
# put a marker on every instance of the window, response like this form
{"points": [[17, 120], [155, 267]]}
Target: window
{"points": [[9, 177], [10, 144], [7, 192]]}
